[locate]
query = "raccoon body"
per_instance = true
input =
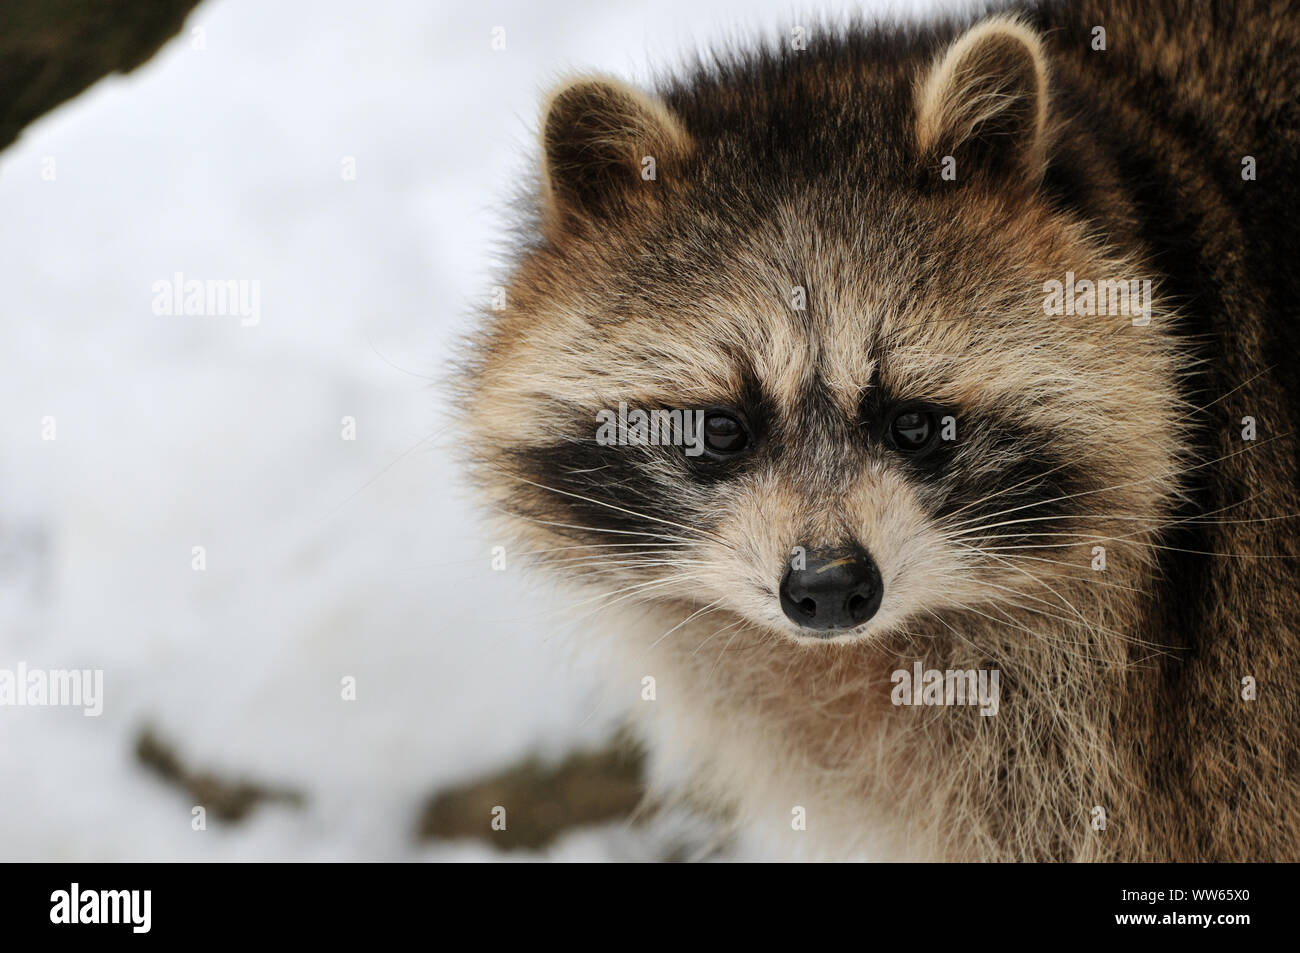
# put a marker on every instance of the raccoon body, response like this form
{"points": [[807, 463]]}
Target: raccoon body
{"points": [[990, 326]]}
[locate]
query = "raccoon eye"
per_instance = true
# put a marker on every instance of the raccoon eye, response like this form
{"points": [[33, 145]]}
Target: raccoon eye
{"points": [[912, 430], [724, 434]]}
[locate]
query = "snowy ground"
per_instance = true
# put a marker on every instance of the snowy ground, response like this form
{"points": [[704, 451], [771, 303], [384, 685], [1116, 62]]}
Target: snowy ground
{"points": [[325, 558]]}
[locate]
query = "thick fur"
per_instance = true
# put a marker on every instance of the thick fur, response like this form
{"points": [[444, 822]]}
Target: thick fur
{"points": [[822, 169]]}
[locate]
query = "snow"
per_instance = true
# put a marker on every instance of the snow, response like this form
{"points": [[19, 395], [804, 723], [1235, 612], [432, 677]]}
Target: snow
{"points": [[326, 558]]}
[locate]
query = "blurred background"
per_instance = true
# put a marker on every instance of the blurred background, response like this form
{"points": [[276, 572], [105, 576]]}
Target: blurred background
{"points": [[350, 163]]}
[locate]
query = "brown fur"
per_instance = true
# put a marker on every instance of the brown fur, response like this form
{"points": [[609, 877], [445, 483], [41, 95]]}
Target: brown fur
{"points": [[1120, 689]]}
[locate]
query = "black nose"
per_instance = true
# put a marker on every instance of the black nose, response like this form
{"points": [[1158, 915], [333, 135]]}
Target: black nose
{"points": [[837, 590]]}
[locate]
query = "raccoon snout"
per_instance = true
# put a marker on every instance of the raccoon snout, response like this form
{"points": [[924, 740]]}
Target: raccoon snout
{"points": [[832, 590]]}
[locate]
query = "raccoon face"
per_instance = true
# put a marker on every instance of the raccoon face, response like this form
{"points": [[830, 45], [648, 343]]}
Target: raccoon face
{"points": [[781, 350]]}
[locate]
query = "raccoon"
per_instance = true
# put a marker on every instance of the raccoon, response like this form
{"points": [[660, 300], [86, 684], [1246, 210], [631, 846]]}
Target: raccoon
{"points": [[983, 332]]}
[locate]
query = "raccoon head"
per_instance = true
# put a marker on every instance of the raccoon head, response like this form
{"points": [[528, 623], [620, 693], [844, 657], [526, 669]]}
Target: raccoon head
{"points": [[838, 269]]}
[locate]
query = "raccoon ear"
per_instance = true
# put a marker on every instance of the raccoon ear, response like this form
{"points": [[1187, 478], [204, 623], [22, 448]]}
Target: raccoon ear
{"points": [[984, 102], [605, 143]]}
